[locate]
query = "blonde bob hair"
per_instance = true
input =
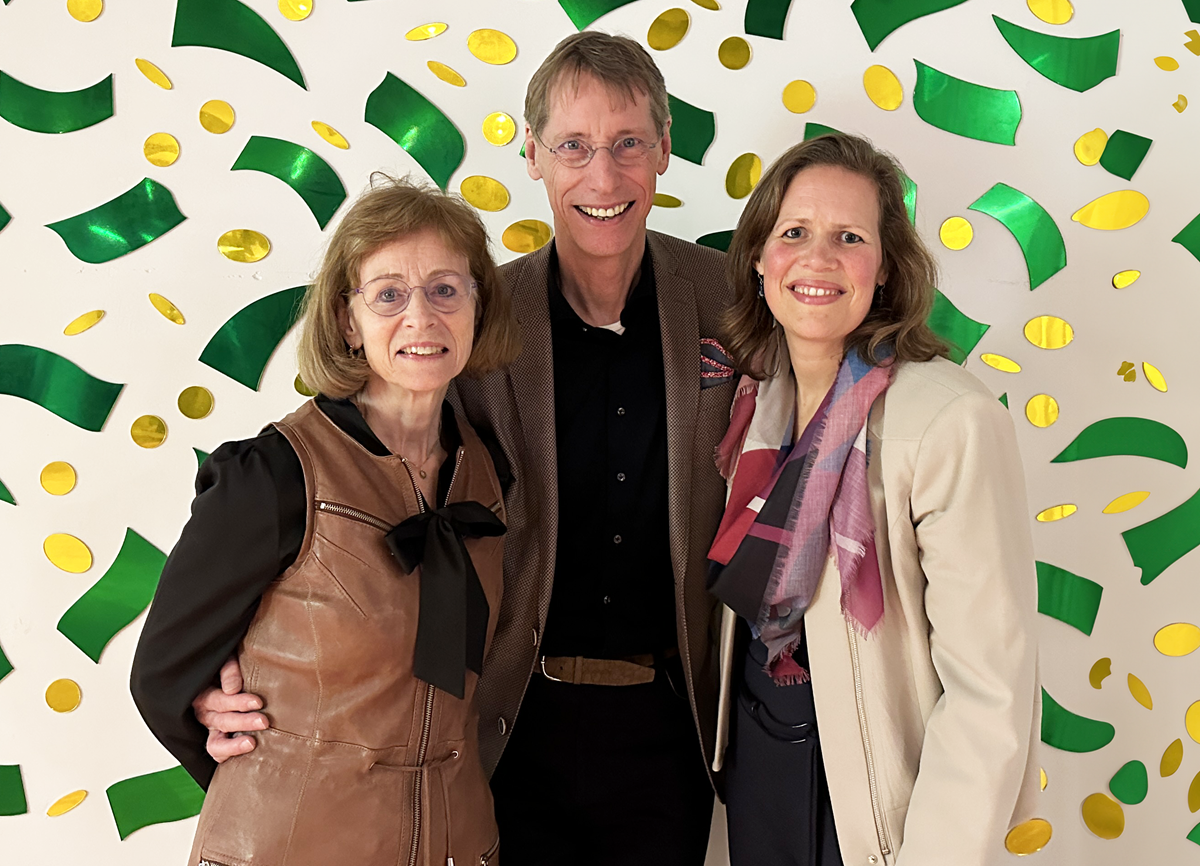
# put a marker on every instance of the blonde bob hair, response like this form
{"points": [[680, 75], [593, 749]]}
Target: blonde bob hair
{"points": [[897, 320], [391, 209]]}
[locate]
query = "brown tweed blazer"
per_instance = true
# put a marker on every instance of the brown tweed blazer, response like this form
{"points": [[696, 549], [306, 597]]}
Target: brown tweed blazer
{"points": [[515, 407]]}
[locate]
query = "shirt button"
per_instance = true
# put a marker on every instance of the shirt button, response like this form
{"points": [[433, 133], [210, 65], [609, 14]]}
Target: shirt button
{"points": [[535, 637], [501, 726], [620, 410], [872, 859], [616, 539], [620, 476], [608, 599]]}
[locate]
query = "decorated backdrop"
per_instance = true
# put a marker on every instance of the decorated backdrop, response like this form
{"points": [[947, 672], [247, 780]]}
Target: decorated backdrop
{"points": [[169, 171]]}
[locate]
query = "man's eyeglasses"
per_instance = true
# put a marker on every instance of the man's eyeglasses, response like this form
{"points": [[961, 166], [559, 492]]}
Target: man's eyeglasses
{"points": [[627, 151], [389, 296]]}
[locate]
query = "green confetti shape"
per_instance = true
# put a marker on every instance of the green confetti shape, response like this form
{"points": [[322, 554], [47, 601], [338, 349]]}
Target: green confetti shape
{"points": [[877, 19], [1192, 8], [1131, 783], [1035, 231], [767, 17], [1189, 235], [57, 385], [1077, 64], [1156, 545], [243, 345], [228, 25], [12, 790], [966, 109], [812, 130], [1003, 398], [5, 218], [310, 176], [155, 798], [1194, 835], [1128, 437], [692, 130], [1124, 153], [418, 126], [201, 456], [52, 111], [6, 495], [1068, 597], [6, 667], [584, 12], [717, 240], [116, 599], [1070, 732], [118, 227], [955, 327]]}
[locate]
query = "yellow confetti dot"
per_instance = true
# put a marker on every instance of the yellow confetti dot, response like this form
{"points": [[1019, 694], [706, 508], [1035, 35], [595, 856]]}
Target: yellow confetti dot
{"points": [[295, 10], [799, 96], [1100, 672], [1177, 639], [734, 52], [661, 199], [1127, 371], [1041, 410], [1049, 332], [1125, 279], [1056, 512], [1172, 757], [303, 389], [67, 552], [195, 402], [153, 73], [169, 311], [499, 128], [493, 46], [1001, 363], [1167, 64], [883, 87], [243, 245], [1044, 780], [1193, 43], [1180, 104], [1126, 502], [525, 236], [217, 116], [63, 696], [1117, 210], [85, 10], [1103, 816], [708, 4], [330, 134], [66, 803], [1194, 794], [1154, 376], [58, 478], [161, 149], [956, 233], [1052, 11], [149, 431], [484, 192], [743, 175], [1140, 693], [425, 31], [1191, 721], [81, 323], [1089, 147], [446, 74], [1028, 837], [668, 29]]}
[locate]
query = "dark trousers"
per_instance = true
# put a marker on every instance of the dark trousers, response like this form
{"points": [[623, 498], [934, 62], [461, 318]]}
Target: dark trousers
{"points": [[604, 775]]}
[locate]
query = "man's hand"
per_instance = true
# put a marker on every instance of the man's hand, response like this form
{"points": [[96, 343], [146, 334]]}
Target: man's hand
{"points": [[228, 713]]}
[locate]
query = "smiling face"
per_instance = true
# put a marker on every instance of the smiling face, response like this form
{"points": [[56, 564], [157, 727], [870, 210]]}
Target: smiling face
{"points": [[600, 209], [823, 259], [420, 349]]}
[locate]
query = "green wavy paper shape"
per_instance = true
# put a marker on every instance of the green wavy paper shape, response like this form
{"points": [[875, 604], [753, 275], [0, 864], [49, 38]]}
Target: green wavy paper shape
{"points": [[310, 176], [768, 17], [56, 384], [692, 130], [12, 790], [1157, 544], [717, 240], [243, 345], [52, 111], [155, 798], [1035, 231], [6, 667], [1131, 783], [1189, 237], [1124, 153], [955, 327], [1192, 8], [812, 130], [1068, 597], [201, 456], [1078, 64], [1129, 437], [418, 126], [1070, 732], [126, 223], [877, 19], [584, 12], [910, 197], [116, 599], [1194, 835], [966, 109], [6, 495], [228, 25], [5, 217]]}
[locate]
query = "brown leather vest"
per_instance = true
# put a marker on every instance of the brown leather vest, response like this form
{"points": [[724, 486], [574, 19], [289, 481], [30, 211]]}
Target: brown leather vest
{"points": [[364, 763]]}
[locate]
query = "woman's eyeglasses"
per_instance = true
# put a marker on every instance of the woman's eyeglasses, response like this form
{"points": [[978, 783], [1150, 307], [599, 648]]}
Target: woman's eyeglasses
{"points": [[389, 295]]}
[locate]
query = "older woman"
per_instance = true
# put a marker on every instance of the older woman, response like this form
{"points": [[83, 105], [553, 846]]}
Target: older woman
{"points": [[875, 547], [350, 555]]}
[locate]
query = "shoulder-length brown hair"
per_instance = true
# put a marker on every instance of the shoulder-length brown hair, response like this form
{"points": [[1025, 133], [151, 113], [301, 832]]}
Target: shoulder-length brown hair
{"points": [[388, 210], [898, 314]]}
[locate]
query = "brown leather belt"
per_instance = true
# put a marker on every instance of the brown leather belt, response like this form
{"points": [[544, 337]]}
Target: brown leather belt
{"points": [[627, 671]]}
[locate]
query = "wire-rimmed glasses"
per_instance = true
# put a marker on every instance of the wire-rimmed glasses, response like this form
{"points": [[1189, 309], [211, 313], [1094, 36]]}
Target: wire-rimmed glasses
{"points": [[389, 295]]}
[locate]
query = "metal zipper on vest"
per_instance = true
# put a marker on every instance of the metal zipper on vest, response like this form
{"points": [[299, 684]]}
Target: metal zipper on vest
{"points": [[876, 808], [486, 857], [457, 462], [353, 514]]}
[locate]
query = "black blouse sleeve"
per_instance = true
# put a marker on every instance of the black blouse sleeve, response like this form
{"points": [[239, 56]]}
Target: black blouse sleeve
{"points": [[246, 528]]}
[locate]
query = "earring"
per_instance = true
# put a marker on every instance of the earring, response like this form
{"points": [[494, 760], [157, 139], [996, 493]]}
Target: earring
{"points": [[761, 292], [352, 351]]}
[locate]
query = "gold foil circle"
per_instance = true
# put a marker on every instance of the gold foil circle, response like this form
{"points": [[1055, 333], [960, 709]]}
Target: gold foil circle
{"points": [[67, 552], [81, 323], [734, 52], [1125, 279], [1041, 410], [492, 46], [446, 74], [1056, 512], [883, 87], [661, 199], [1100, 672], [161, 149], [1115, 211], [1126, 502], [1052, 11], [1028, 837], [295, 10], [149, 431], [217, 116], [1194, 794], [1140, 693], [956, 233], [1167, 64], [1180, 104], [743, 175], [1172, 757], [799, 96], [1103, 816], [244, 245], [58, 478], [330, 134], [303, 389], [485, 193], [1177, 639], [525, 236], [1044, 780], [63, 695], [425, 31], [1089, 147], [85, 10], [1154, 376], [153, 73], [1191, 721], [169, 311], [668, 29], [195, 402], [499, 128], [66, 803], [1001, 363], [1049, 332]]}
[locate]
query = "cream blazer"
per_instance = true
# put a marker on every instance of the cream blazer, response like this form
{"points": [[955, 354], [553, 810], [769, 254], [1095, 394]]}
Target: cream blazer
{"points": [[926, 725]]}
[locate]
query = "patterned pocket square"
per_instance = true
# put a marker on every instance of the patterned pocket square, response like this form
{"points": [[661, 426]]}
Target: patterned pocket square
{"points": [[716, 367]]}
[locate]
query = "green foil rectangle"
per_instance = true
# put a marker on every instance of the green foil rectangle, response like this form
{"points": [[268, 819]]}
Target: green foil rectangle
{"points": [[155, 798]]}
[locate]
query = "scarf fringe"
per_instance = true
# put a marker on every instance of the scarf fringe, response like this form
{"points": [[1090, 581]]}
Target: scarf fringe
{"points": [[785, 670]]}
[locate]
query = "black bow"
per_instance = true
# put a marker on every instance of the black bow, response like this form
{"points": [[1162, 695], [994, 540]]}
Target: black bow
{"points": [[453, 617]]}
